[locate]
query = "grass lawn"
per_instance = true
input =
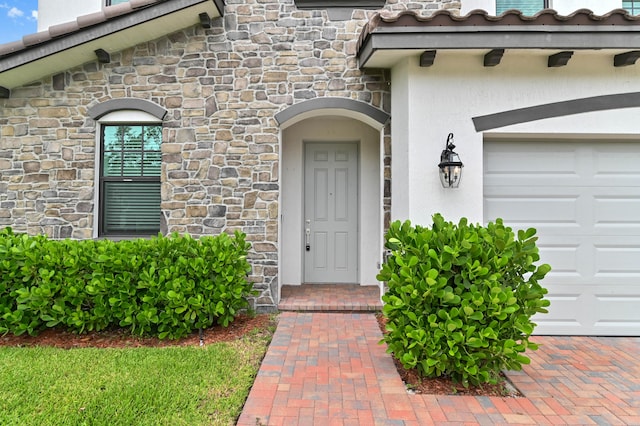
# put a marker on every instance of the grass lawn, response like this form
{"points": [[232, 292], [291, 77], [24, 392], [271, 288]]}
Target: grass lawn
{"points": [[179, 385]]}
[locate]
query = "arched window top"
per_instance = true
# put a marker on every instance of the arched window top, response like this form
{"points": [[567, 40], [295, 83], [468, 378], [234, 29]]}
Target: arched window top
{"points": [[129, 116], [98, 111]]}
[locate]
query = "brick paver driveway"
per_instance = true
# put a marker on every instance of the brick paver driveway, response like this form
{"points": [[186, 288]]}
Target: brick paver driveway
{"points": [[328, 369]]}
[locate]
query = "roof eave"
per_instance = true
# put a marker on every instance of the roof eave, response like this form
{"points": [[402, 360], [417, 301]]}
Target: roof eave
{"points": [[478, 40], [408, 32], [76, 48]]}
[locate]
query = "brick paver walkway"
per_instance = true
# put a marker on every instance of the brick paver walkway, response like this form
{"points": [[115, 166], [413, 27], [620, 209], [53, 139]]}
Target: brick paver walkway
{"points": [[328, 369]]}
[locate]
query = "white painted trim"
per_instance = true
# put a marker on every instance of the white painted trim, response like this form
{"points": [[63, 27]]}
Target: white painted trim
{"points": [[96, 181], [280, 215], [381, 195]]}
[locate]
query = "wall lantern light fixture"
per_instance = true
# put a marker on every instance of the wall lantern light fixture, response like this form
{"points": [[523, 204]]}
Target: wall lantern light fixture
{"points": [[450, 165]]}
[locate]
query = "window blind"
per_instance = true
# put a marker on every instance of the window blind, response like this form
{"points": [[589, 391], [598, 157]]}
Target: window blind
{"points": [[131, 207]]}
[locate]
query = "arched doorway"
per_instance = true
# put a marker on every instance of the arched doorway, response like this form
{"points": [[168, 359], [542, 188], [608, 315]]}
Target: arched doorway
{"points": [[331, 209]]}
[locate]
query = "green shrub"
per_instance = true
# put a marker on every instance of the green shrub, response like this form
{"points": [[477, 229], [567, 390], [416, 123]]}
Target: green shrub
{"points": [[164, 286], [460, 298]]}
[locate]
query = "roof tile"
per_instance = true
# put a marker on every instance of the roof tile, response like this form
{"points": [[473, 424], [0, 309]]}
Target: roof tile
{"points": [[477, 18], [117, 10], [91, 19], [441, 24], [445, 17], [35, 38], [61, 29], [11, 47]]}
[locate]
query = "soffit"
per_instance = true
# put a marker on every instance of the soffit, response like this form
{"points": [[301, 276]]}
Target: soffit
{"points": [[388, 38]]}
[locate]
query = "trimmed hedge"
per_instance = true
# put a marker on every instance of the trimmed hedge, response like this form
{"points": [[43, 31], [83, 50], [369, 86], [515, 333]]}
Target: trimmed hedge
{"points": [[163, 286], [460, 298]]}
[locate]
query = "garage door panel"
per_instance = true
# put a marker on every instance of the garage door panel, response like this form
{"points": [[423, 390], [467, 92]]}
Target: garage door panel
{"points": [[524, 178], [618, 261], [562, 308], [612, 161], [583, 197], [549, 327], [547, 166], [554, 206], [617, 211], [616, 312], [571, 255], [595, 258], [587, 213], [554, 211], [501, 162], [590, 313], [614, 328], [571, 163], [565, 259], [562, 314], [554, 214]]}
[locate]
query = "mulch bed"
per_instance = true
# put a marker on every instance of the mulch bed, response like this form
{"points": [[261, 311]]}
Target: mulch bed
{"points": [[119, 338]]}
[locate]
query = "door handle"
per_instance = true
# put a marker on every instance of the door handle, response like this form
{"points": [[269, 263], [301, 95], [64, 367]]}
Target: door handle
{"points": [[307, 233]]}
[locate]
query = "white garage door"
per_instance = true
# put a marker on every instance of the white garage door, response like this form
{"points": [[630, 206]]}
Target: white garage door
{"points": [[583, 197]]}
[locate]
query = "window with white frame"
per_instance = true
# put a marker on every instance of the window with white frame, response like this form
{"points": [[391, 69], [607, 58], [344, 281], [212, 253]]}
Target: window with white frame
{"points": [[527, 7], [631, 6], [130, 164], [112, 2]]}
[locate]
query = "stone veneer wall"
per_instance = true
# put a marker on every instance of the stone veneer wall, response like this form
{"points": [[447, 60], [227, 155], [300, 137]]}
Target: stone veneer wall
{"points": [[222, 88]]}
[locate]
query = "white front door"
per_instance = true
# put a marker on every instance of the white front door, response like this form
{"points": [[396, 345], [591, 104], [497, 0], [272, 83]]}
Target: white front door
{"points": [[331, 213]]}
